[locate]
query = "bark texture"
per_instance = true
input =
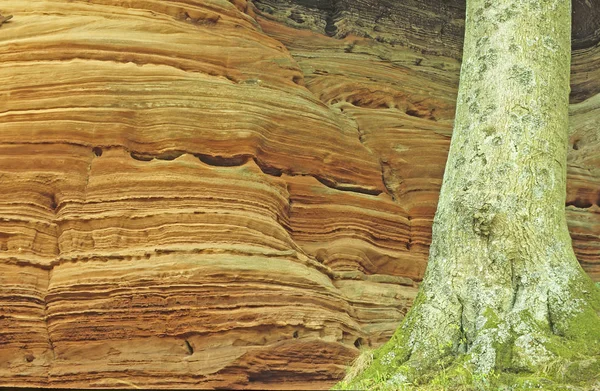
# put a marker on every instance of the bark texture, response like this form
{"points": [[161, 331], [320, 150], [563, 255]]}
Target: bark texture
{"points": [[504, 299]]}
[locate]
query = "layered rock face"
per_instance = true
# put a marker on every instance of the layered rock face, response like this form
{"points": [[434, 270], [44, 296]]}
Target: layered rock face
{"points": [[231, 194]]}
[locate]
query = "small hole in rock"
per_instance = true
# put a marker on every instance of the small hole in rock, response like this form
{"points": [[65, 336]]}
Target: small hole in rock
{"points": [[295, 335], [359, 342], [29, 357], [576, 145], [97, 151], [266, 169]]}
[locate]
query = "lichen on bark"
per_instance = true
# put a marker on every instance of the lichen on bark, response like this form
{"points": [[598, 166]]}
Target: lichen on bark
{"points": [[504, 302]]}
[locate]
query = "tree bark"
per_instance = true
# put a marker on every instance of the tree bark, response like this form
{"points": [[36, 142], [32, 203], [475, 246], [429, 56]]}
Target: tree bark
{"points": [[504, 300]]}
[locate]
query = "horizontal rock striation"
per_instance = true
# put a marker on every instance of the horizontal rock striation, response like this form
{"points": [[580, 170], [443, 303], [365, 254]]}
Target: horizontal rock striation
{"points": [[214, 194]]}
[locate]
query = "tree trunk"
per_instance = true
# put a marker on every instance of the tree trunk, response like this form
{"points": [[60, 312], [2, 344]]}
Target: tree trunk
{"points": [[504, 300]]}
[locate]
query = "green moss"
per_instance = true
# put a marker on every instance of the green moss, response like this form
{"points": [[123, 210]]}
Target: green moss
{"points": [[504, 355], [575, 364], [526, 381], [584, 324], [389, 358], [461, 377], [492, 319]]}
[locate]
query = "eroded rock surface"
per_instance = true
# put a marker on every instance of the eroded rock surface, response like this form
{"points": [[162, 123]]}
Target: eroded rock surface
{"points": [[230, 194]]}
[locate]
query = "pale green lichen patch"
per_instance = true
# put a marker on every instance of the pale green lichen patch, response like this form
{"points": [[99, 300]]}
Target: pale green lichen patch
{"points": [[508, 13], [522, 75]]}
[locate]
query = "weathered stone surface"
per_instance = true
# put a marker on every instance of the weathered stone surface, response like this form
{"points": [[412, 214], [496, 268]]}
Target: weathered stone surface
{"points": [[426, 26], [583, 187], [229, 194]]}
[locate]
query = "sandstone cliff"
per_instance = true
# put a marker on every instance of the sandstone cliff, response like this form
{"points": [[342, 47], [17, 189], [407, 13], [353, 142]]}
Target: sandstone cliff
{"points": [[211, 193]]}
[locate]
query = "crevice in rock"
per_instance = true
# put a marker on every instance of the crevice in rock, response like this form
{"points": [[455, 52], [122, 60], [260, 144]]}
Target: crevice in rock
{"points": [[385, 168], [239, 160], [189, 347], [269, 170], [579, 203], [52, 202], [25, 262], [141, 157], [427, 114], [220, 161], [170, 155], [361, 136], [346, 187], [331, 16]]}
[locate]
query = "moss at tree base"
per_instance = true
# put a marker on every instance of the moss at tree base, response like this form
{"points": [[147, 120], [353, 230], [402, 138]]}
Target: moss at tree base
{"points": [[581, 375], [571, 361]]}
